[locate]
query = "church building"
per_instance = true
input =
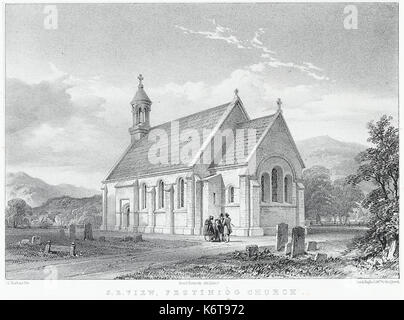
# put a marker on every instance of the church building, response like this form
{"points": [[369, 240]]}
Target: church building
{"points": [[175, 175]]}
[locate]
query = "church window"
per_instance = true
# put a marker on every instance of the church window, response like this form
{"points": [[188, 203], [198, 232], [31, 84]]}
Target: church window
{"points": [[181, 193], [277, 180], [288, 189], [265, 187], [161, 195], [231, 194], [214, 198], [144, 196]]}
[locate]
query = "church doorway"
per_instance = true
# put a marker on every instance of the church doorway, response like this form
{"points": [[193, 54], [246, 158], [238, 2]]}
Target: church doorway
{"points": [[125, 210]]}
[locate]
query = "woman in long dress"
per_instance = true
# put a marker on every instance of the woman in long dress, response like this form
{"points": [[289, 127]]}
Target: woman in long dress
{"points": [[208, 229]]}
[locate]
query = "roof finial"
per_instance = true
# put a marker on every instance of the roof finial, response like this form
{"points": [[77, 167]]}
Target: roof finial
{"points": [[236, 92], [279, 103], [140, 77]]}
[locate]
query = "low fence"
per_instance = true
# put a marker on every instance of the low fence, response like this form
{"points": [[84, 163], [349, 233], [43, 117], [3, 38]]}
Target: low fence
{"points": [[336, 228]]}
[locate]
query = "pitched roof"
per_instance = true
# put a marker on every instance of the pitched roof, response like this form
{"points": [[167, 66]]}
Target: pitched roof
{"points": [[135, 161]]}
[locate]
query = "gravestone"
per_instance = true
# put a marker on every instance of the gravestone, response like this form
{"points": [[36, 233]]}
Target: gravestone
{"points": [[88, 232], [288, 248], [298, 237], [127, 238], [281, 236], [62, 233], [252, 250], [73, 250], [72, 232], [311, 246], [392, 250], [24, 242], [138, 237], [102, 238], [36, 240], [320, 257], [48, 247]]}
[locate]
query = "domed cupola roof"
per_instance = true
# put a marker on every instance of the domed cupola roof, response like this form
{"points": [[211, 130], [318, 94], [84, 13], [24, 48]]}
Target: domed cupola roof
{"points": [[140, 95]]}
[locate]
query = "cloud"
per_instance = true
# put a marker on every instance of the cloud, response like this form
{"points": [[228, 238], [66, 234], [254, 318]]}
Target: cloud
{"points": [[226, 34]]}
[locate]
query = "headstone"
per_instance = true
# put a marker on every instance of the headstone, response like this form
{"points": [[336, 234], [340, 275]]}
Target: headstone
{"points": [[138, 237], [311, 246], [320, 257], [281, 236], [36, 240], [48, 247], [72, 232], [24, 242], [62, 233], [127, 238], [252, 250], [288, 248], [73, 250], [102, 238], [298, 237], [88, 232]]}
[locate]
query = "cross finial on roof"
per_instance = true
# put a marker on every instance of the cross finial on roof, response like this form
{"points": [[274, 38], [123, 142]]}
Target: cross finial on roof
{"points": [[279, 103], [140, 77], [236, 92]]}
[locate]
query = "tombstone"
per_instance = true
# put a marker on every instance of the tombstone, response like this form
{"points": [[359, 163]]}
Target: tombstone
{"points": [[298, 237], [311, 246], [102, 238], [88, 232], [392, 250], [320, 257], [24, 242], [281, 236], [138, 237], [48, 247], [72, 232], [72, 250], [288, 248], [252, 250], [127, 238], [36, 240], [62, 233]]}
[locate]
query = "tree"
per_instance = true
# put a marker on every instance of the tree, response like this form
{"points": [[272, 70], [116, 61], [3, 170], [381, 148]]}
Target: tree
{"points": [[317, 193], [17, 213], [380, 165], [345, 198]]}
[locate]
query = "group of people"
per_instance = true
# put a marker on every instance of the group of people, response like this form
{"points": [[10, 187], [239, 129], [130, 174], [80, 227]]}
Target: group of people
{"points": [[219, 229]]}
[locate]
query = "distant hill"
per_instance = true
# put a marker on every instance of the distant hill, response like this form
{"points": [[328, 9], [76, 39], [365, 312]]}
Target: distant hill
{"points": [[333, 154], [66, 210], [36, 191]]}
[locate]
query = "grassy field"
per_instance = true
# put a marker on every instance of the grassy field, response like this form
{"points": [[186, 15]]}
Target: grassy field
{"points": [[113, 245]]}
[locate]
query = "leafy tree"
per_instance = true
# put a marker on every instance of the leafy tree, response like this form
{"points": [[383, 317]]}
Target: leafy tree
{"points": [[317, 194], [380, 165], [345, 198], [18, 213]]}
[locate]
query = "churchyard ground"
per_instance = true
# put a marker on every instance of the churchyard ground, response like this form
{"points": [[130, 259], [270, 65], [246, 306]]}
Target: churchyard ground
{"points": [[178, 257]]}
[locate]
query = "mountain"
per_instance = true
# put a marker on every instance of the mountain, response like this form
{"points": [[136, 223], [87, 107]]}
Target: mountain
{"points": [[36, 191], [333, 154]]}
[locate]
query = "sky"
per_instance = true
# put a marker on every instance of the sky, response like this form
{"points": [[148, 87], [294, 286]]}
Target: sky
{"points": [[68, 88]]}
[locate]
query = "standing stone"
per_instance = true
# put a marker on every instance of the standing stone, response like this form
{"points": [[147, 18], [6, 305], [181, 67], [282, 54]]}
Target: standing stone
{"points": [[48, 247], [320, 257], [281, 236], [72, 232], [252, 250], [138, 237], [298, 237], [311, 246], [88, 232], [73, 250], [36, 240]]}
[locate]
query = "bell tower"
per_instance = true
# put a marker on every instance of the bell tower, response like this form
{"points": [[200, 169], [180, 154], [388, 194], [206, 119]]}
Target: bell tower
{"points": [[141, 107]]}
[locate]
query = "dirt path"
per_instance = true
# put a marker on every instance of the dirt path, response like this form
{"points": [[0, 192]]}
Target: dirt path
{"points": [[111, 266]]}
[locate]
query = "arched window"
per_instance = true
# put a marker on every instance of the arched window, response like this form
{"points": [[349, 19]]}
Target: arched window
{"points": [[161, 194], [138, 115], [181, 193], [144, 196], [231, 194], [265, 187], [288, 188], [277, 182]]}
